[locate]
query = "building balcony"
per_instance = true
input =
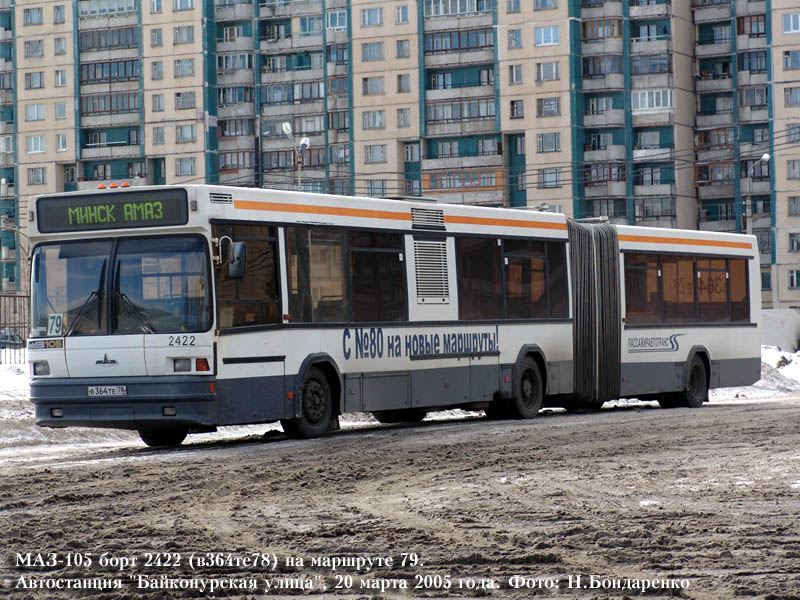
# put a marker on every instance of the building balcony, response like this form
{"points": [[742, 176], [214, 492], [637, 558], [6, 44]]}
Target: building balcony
{"points": [[758, 113], [714, 120], [234, 12], [709, 11], [462, 162], [239, 44], [297, 108], [6, 127], [659, 154], [6, 65], [656, 189], [649, 11], [591, 154], [662, 221], [648, 46], [340, 102], [707, 50], [714, 84], [726, 225], [290, 76], [110, 120], [602, 46], [717, 154], [241, 109], [460, 128], [745, 78], [110, 150], [238, 177], [6, 96], [236, 77], [337, 69], [651, 81], [597, 9], [609, 81], [93, 184], [754, 149], [605, 189], [6, 35], [476, 91], [108, 21], [751, 42], [88, 56], [750, 7], [6, 159], [755, 186], [652, 117], [462, 21], [237, 142], [610, 118], [707, 190], [451, 59], [275, 44], [281, 8]]}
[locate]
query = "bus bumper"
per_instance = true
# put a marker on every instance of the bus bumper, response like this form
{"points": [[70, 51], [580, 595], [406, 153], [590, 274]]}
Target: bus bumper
{"points": [[148, 401]]}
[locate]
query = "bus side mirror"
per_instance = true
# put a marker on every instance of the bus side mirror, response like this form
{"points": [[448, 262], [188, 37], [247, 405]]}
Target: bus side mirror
{"points": [[237, 260]]}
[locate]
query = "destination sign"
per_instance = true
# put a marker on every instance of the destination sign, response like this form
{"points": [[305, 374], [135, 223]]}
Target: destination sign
{"points": [[112, 210]]}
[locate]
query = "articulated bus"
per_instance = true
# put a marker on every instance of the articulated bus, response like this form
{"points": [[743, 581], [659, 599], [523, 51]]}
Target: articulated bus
{"points": [[178, 309]]}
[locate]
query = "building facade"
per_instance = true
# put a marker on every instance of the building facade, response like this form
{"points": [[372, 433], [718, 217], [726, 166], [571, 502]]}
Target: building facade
{"points": [[644, 111]]}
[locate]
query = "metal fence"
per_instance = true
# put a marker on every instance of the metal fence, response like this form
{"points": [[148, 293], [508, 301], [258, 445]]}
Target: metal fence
{"points": [[15, 325]]}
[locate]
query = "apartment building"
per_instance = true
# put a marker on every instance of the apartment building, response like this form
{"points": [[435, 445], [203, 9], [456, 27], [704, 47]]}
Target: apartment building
{"points": [[645, 111]]}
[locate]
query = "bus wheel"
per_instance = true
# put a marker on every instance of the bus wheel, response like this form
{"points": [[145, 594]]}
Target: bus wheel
{"points": [[316, 408], [163, 437], [530, 394], [404, 415], [696, 392]]}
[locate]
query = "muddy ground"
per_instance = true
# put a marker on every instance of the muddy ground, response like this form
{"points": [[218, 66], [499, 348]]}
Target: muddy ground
{"points": [[706, 499]]}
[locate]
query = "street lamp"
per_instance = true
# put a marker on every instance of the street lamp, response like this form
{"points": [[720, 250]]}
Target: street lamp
{"points": [[748, 206], [288, 131]]}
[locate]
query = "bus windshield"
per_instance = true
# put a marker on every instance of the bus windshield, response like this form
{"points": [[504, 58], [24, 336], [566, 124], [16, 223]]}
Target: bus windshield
{"points": [[131, 285]]}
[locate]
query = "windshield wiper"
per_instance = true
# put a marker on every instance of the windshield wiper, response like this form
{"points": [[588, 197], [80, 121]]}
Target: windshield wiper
{"points": [[133, 311], [89, 302]]}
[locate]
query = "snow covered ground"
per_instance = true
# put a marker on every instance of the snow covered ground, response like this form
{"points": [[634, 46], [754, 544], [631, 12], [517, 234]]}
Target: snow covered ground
{"points": [[19, 436]]}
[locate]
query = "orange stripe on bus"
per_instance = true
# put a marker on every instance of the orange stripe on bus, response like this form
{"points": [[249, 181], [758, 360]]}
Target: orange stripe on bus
{"points": [[321, 210], [504, 222], [689, 242]]}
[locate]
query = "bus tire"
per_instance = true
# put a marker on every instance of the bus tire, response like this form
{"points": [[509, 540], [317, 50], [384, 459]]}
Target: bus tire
{"points": [[164, 438], [403, 415], [696, 392], [530, 393], [316, 408]]}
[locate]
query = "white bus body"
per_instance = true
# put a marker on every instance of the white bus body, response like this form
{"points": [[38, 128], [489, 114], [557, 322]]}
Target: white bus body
{"points": [[352, 304]]}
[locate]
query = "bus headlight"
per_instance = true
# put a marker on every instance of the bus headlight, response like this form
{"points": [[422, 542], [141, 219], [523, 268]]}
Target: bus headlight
{"points": [[41, 368], [182, 365]]}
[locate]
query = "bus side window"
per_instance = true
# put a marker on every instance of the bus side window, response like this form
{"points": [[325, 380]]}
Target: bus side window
{"points": [[317, 292]]}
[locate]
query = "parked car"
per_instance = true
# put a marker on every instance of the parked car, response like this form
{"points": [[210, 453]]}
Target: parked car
{"points": [[9, 339]]}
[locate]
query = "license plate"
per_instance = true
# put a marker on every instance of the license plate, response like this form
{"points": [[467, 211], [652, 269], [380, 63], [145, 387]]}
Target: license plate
{"points": [[108, 390]]}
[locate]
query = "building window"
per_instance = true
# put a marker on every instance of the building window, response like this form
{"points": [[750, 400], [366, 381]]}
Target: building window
{"points": [[647, 100], [549, 178], [183, 4], [183, 34], [545, 4], [185, 100], [61, 110], [517, 109], [443, 42], [58, 14], [755, 62], [374, 119], [515, 73], [337, 20], [34, 49], [794, 242], [310, 26], [60, 45], [34, 144], [411, 152], [794, 206], [403, 83], [184, 166], [37, 176], [34, 112], [184, 67], [371, 17], [403, 49], [372, 51], [401, 15], [794, 279], [61, 78], [184, 134], [791, 23], [546, 36], [403, 117], [752, 25], [156, 38], [791, 60], [766, 281], [595, 67], [375, 153], [339, 120], [32, 16], [158, 70], [61, 142], [548, 107], [793, 169], [339, 154], [155, 6], [647, 64], [548, 142], [548, 71], [455, 111], [34, 81], [515, 38], [376, 187], [372, 85], [513, 6], [792, 96], [158, 136], [158, 102]]}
